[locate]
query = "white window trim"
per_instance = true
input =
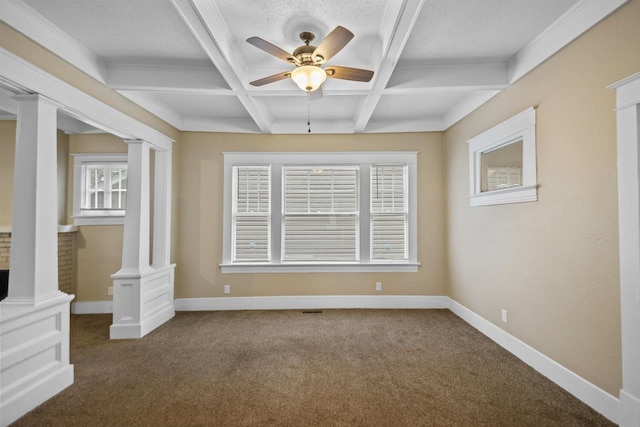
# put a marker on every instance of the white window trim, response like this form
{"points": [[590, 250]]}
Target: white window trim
{"points": [[88, 218], [522, 126], [277, 161]]}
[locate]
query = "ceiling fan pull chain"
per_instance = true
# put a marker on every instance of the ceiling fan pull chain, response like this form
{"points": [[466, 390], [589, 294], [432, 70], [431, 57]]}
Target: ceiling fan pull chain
{"points": [[309, 111]]}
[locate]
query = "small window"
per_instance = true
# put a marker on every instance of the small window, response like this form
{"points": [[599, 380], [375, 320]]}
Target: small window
{"points": [[501, 167], [100, 188], [502, 162]]}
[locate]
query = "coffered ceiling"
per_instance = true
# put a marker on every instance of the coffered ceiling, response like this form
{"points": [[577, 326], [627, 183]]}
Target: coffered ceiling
{"points": [[188, 62]]}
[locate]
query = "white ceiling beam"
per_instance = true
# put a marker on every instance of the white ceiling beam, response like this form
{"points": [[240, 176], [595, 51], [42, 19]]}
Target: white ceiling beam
{"points": [[167, 79], [398, 31], [448, 77], [220, 124], [574, 22], [208, 26]]}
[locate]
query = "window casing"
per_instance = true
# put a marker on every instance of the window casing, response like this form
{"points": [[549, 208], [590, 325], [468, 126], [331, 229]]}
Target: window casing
{"points": [[322, 215], [502, 162], [100, 188]]}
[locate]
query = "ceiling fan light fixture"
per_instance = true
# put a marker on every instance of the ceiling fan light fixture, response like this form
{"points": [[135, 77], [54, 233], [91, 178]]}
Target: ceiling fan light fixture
{"points": [[309, 77]]}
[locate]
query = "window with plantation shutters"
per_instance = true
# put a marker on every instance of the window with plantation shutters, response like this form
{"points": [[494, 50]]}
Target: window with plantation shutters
{"points": [[320, 218], [389, 212], [251, 213], [319, 212]]}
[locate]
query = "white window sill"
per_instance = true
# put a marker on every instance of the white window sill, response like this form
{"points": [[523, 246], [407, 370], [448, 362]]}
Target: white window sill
{"points": [[410, 267], [98, 220], [509, 195]]}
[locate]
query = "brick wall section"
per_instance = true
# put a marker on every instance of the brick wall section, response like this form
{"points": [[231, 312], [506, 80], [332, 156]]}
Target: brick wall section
{"points": [[65, 258], [5, 249], [65, 262]]}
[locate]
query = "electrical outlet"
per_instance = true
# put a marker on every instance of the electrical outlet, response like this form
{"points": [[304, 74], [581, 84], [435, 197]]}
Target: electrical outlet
{"points": [[227, 289], [504, 315], [110, 290], [379, 286]]}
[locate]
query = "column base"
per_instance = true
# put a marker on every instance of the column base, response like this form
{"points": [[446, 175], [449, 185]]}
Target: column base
{"points": [[141, 302], [629, 410], [34, 355]]}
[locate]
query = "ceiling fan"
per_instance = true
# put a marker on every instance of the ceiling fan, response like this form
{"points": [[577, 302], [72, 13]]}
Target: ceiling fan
{"points": [[308, 74]]}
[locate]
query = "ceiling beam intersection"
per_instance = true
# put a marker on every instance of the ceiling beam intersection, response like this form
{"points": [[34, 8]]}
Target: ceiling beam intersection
{"points": [[407, 16], [210, 30]]}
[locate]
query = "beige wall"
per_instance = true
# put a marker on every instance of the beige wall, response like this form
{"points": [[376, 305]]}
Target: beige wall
{"points": [[7, 160], [98, 248], [200, 226], [553, 264]]}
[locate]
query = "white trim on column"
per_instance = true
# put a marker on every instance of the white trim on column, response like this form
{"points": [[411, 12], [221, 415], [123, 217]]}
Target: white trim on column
{"points": [[628, 124]]}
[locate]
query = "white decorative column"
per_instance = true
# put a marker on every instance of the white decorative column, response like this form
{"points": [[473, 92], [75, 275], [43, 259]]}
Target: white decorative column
{"points": [[34, 318], [628, 118], [143, 294]]}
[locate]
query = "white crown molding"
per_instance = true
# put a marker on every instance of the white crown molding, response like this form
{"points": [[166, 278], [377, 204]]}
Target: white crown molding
{"points": [[213, 124], [399, 125], [33, 25], [201, 80], [469, 104], [577, 20], [587, 392]]}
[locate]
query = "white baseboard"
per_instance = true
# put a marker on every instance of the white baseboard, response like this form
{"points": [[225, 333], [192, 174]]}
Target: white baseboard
{"points": [[587, 392], [311, 302], [92, 307], [24, 400], [139, 330]]}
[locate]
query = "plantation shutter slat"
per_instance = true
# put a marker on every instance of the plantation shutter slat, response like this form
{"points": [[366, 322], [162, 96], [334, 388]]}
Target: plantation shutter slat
{"points": [[252, 213], [320, 214], [389, 212]]}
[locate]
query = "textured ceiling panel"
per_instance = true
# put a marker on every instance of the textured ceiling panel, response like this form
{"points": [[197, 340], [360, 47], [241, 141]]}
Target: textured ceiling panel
{"points": [[281, 23], [125, 31], [419, 106], [493, 30]]}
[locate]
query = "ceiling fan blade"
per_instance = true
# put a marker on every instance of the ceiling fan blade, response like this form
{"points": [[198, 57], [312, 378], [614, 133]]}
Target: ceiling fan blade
{"points": [[333, 43], [348, 73], [316, 94], [272, 49], [271, 79]]}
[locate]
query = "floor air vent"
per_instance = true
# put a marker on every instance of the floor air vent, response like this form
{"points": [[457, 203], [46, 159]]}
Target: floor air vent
{"points": [[312, 312]]}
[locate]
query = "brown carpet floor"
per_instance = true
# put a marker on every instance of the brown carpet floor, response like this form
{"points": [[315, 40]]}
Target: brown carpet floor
{"points": [[288, 368]]}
